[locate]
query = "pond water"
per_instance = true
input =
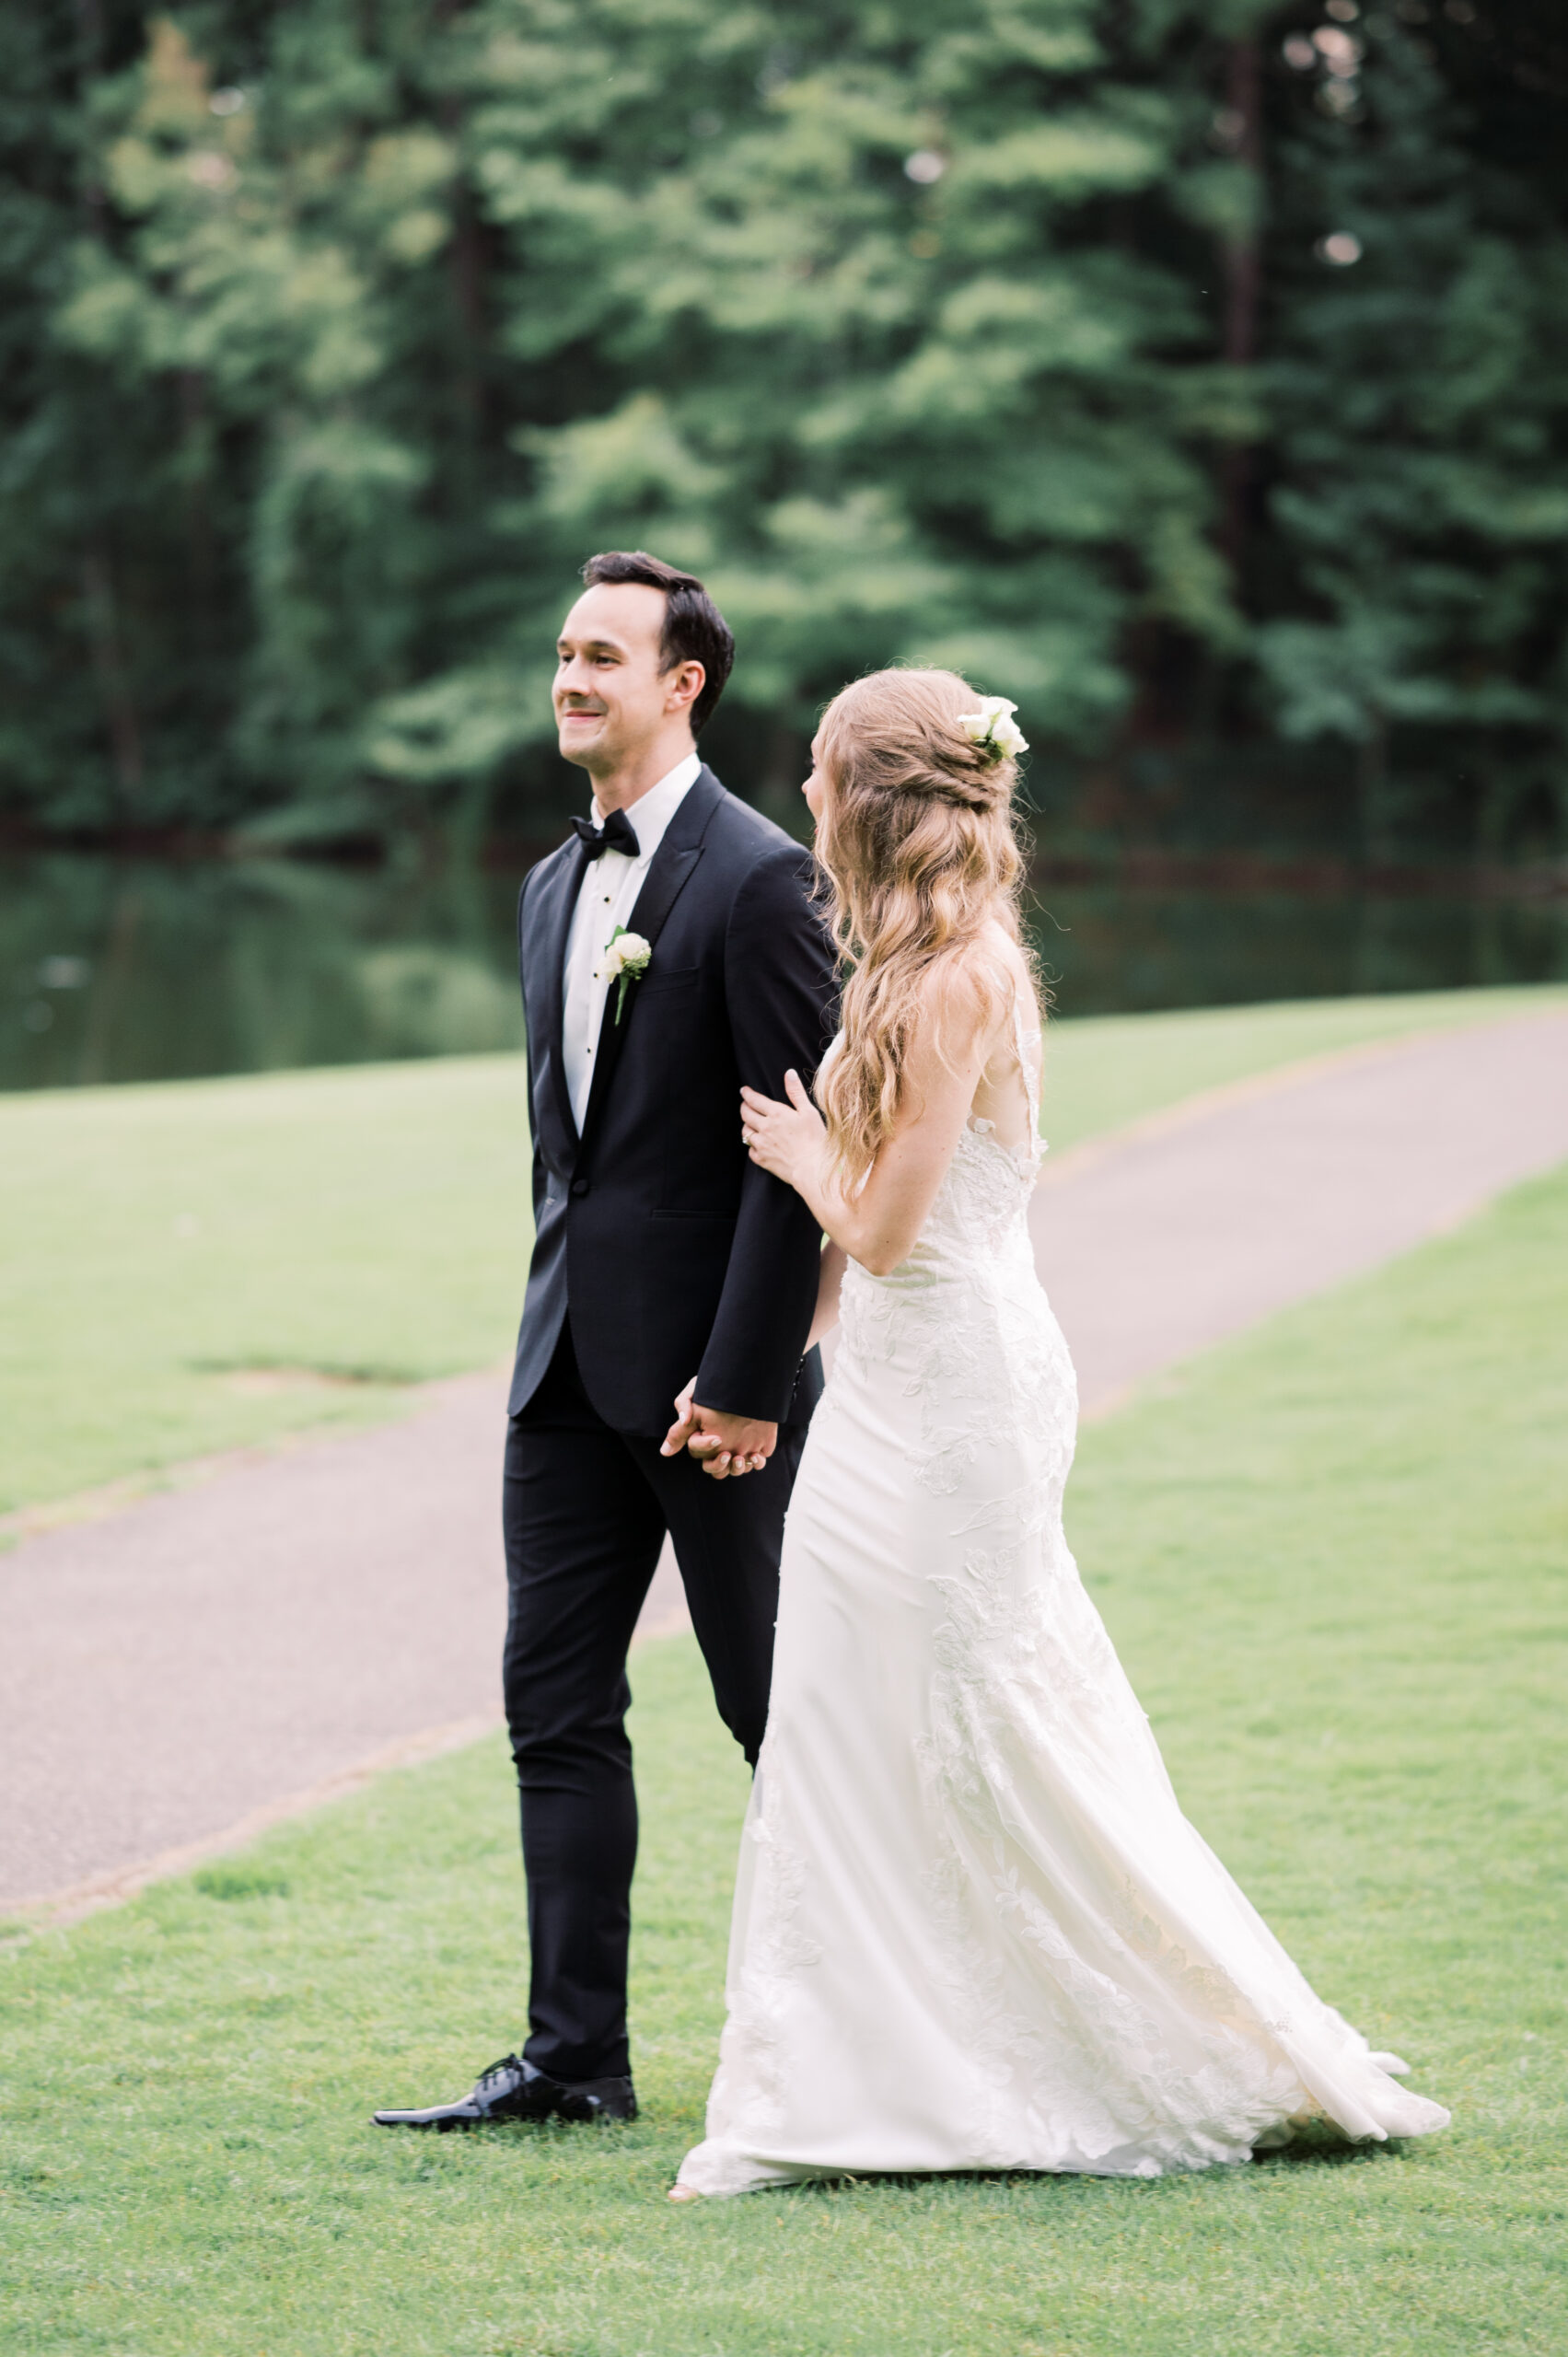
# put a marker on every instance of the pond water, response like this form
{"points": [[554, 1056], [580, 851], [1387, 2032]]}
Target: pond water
{"points": [[146, 970]]}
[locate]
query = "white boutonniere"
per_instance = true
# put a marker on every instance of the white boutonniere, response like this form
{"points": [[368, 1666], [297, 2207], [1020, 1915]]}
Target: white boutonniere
{"points": [[625, 961], [994, 728]]}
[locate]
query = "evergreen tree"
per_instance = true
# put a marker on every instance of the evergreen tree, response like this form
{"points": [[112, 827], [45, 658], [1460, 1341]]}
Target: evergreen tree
{"points": [[866, 326], [1180, 371], [1418, 396]]}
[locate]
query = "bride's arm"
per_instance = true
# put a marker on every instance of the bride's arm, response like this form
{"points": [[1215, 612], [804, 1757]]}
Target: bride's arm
{"points": [[878, 1222], [826, 1315]]}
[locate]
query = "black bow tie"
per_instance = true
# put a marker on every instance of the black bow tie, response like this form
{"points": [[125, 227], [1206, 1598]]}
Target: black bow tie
{"points": [[617, 833]]}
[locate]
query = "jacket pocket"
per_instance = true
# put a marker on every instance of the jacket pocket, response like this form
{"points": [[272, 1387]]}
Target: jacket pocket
{"points": [[656, 984]]}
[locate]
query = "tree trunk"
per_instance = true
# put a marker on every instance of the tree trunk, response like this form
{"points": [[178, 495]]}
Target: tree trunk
{"points": [[1242, 261], [192, 383], [1372, 783], [113, 682], [464, 267], [90, 50]]}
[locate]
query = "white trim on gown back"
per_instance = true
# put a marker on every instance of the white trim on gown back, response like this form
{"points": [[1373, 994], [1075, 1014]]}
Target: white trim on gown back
{"points": [[973, 1929]]}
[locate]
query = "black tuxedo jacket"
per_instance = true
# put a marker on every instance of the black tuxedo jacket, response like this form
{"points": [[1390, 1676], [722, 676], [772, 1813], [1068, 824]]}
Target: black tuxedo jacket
{"points": [[672, 1253]]}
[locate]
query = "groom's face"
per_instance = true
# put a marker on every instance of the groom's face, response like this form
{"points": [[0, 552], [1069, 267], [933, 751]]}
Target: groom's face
{"points": [[612, 696]]}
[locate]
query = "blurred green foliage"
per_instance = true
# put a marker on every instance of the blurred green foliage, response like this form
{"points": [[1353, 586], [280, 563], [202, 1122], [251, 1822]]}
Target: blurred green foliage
{"points": [[1188, 371]]}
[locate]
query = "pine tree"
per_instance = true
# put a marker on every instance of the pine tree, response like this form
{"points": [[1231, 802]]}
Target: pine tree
{"points": [[862, 339], [1177, 371], [1419, 393]]}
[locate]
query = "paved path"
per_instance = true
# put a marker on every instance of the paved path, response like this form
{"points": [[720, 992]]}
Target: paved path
{"points": [[1194, 1224], [179, 1674]]}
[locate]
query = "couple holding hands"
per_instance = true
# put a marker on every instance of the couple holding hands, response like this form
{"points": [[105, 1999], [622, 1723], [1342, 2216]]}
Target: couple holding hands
{"points": [[973, 1929]]}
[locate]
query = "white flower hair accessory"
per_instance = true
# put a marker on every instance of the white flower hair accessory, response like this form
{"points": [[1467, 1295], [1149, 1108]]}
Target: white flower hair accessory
{"points": [[625, 961], [994, 730]]}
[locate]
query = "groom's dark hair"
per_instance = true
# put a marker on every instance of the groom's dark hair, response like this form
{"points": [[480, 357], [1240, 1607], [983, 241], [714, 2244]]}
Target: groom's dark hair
{"points": [[695, 630]]}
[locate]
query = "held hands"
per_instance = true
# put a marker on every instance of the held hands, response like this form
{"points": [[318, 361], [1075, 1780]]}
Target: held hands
{"points": [[785, 1139], [722, 1445]]}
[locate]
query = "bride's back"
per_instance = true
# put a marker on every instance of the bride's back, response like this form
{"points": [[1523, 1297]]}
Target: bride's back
{"points": [[1008, 1088]]}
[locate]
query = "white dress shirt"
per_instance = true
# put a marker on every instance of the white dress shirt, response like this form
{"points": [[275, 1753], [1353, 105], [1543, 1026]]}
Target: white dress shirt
{"points": [[606, 898]]}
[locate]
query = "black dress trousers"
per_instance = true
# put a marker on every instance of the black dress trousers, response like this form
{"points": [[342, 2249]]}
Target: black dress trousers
{"points": [[586, 1511]]}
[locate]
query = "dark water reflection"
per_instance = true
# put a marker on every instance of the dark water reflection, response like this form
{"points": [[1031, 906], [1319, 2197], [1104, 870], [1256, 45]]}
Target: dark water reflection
{"points": [[141, 970]]}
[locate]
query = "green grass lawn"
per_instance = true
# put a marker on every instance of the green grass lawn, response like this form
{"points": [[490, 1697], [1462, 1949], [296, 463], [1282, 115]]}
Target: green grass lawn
{"points": [[1332, 1554], [184, 1264]]}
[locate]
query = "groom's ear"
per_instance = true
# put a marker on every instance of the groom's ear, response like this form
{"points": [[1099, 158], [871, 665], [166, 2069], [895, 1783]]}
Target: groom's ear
{"points": [[685, 682]]}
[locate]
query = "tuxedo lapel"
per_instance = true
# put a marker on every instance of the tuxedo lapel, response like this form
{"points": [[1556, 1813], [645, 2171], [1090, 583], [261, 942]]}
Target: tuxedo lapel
{"points": [[544, 968], [669, 872]]}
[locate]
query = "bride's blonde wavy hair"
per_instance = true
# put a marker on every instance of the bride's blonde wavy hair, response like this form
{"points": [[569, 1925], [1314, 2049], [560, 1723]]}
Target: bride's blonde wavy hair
{"points": [[919, 850]]}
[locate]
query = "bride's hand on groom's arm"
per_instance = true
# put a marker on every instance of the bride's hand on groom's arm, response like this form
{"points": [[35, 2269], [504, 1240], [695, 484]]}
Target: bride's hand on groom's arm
{"points": [[722, 1445], [786, 1139], [878, 1219]]}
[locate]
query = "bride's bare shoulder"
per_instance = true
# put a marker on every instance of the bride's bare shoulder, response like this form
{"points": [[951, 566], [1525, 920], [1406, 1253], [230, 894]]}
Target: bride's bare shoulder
{"points": [[975, 985], [965, 1003]]}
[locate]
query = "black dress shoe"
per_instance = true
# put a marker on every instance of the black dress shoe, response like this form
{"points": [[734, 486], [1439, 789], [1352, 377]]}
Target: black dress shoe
{"points": [[512, 2089]]}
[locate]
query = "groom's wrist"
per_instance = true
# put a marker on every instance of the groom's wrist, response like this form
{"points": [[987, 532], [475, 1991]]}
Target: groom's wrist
{"points": [[717, 1406], [741, 1401]]}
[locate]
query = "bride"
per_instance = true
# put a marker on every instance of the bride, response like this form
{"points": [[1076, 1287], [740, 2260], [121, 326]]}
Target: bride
{"points": [[972, 1928]]}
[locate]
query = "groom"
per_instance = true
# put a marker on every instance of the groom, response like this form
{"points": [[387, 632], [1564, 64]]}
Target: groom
{"points": [[662, 1254]]}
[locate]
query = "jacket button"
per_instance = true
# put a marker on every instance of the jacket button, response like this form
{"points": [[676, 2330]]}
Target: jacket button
{"points": [[579, 1185]]}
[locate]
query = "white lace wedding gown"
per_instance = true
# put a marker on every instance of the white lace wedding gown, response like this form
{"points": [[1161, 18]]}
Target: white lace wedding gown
{"points": [[972, 1928]]}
